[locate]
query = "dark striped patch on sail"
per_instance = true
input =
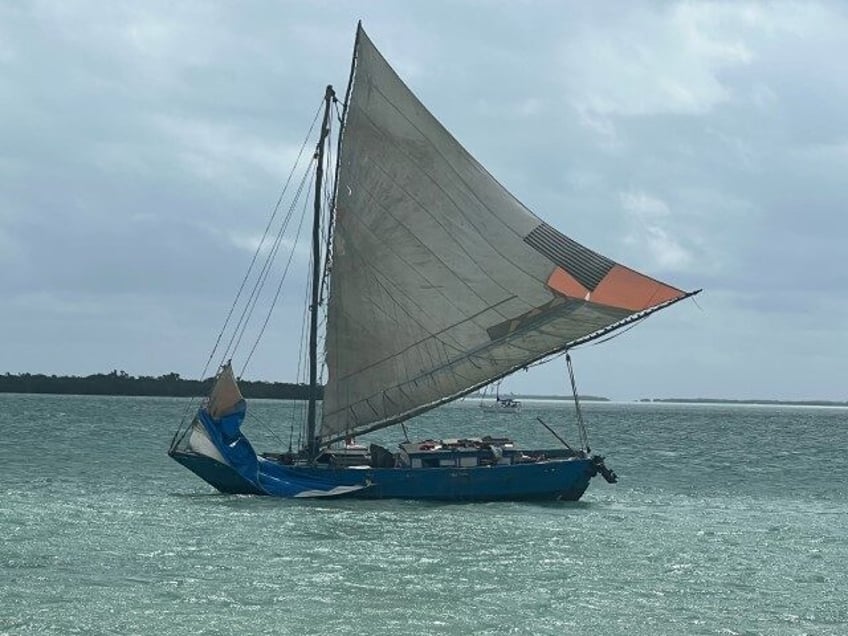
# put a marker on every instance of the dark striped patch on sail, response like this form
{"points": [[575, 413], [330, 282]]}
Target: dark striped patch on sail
{"points": [[586, 266]]}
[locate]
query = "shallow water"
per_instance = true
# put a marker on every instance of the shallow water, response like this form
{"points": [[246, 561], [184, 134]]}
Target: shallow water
{"points": [[726, 520]]}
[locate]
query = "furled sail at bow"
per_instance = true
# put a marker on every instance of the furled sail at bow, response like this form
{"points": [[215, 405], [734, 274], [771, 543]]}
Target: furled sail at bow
{"points": [[441, 280]]}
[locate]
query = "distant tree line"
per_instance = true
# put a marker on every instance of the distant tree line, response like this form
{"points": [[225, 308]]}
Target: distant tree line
{"points": [[759, 402], [585, 398], [518, 396], [121, 383]]}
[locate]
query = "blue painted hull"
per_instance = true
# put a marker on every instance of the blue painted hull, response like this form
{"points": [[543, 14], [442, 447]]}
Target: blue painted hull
{"points": [[564, 480], [220, 476], [218, 452]]}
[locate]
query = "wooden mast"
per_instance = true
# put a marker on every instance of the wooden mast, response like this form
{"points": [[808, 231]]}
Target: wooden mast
{"points": [[311, 440]]}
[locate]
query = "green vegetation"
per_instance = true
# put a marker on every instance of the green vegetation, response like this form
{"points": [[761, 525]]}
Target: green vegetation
{"points": [[120, 383], [172, 385]]}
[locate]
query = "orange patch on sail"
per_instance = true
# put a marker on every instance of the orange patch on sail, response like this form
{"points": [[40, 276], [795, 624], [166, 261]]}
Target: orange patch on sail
{"points": [[624, 288], [564, 283]]}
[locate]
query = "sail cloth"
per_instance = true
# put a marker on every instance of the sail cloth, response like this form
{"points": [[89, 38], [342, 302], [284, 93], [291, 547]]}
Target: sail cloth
{"points": [[441, 280], [225, 395]]}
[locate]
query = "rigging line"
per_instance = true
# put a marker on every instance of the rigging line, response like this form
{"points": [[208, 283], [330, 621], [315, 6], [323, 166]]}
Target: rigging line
{"points": [[553, 356], [695, 300], [241, 327], [301, 357], [255, 293], [618, 333], [266, 273], [303, 360], [581, 425], [262, 241], [592, 343], [267, 426], [266, 232], [613, 335], [279, 288], [303, 354], [628, 323]]}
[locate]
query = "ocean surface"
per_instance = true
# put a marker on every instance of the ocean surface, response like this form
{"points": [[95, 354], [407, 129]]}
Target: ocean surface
{"points": [[726, 520]]}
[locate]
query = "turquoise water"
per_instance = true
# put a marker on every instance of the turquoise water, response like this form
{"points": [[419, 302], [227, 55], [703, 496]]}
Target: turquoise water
{"points": [[726, 520]]}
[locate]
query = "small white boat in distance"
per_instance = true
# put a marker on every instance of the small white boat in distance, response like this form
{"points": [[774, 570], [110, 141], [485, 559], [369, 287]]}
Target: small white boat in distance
{"points": [[502, 405]]}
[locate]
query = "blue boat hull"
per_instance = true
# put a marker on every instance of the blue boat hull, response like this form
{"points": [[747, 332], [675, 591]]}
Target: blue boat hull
{"points": [[217, 452], [564, 480], [220, 476]]}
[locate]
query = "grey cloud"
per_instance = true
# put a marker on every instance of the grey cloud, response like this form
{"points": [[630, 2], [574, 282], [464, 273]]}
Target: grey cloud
{"points": [[142, 146]]}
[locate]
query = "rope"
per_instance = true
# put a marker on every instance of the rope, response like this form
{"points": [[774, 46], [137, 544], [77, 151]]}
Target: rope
{"points": [[244, 320], [296, 408], [261, 243], [267, 427], [581, 426], [191, 402], [279, 288]]}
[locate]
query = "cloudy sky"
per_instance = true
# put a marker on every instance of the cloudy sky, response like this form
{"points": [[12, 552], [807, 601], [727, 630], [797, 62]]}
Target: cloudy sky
{"points": [[143, 145]]}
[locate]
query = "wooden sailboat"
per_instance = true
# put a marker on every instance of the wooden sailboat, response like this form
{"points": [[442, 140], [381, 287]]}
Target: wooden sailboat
{"points": [[440, 282]]}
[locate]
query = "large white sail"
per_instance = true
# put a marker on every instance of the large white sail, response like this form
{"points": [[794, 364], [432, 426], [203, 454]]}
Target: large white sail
{"points": [[441, 279]]}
